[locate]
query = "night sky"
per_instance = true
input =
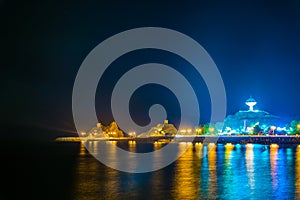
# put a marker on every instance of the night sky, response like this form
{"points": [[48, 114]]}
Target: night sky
{"points": [[255, 44]]}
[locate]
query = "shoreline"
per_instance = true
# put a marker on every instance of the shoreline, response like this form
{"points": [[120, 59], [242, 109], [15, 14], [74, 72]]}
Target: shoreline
{"points": [[266, 140]]}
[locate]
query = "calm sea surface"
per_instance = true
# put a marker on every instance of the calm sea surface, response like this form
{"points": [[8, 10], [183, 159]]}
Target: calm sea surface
{"points": [[68, 171]]}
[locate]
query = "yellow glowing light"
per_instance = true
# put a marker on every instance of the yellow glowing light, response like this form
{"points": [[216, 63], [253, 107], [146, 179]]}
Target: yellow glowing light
{"points": [[298, 127], [132, 134], [274, 145], [198, 130], [249, 145], [211, 129], [132, 142], [198, 143]]}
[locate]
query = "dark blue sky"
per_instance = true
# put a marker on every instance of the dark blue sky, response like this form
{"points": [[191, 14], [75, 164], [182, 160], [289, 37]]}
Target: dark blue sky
{"points": [[255, 44]]}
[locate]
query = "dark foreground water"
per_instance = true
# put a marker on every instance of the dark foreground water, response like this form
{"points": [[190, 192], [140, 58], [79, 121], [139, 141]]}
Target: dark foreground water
{"points": [[68, 171]]}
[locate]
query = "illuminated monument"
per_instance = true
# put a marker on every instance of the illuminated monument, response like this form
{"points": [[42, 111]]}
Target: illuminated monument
{"points": [[160, 130], [246, 120], [101, 131], [251, 103]]}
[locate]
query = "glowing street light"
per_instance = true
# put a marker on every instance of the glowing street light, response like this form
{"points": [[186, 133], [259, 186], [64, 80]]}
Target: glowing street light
{"points": [[83, 133], [132, 134], [298, 127], [198, 130], [211, 129]]}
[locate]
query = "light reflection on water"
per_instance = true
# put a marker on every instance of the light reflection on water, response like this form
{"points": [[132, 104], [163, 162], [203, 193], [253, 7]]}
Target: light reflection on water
{"points": [[273, 161], [297, 173], [250, 166], [203, 172], [211, 155], [184, 183]]}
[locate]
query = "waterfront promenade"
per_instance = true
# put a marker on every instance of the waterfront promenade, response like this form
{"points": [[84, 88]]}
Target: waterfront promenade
{"points": [[288, 140]]}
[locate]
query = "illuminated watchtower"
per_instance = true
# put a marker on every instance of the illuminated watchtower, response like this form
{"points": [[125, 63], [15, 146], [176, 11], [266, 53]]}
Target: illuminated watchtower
{"points": [[251, 103]]}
